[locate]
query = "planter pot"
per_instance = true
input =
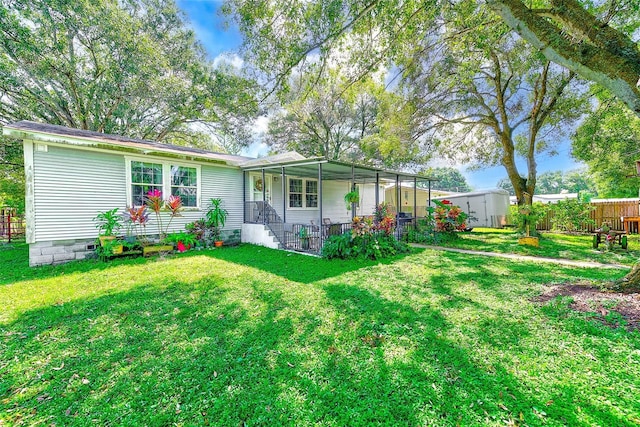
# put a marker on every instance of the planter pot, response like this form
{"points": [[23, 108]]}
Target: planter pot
{"points": [[130, 239], [154, 249], [218, 243], [305, 243], [117, 249], [529, 241], [104, 239]]}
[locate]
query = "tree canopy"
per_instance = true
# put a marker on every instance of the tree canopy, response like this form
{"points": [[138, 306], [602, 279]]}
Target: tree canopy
{"points": [[338, 120], [556, 182], [123, 67], [607, 141], [448, 179]]}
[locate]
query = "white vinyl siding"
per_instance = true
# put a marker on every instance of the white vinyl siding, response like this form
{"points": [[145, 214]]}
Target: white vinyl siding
{"points": [[72, 186]]}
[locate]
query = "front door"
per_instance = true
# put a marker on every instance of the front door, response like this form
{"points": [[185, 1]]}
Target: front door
{"points": [[256, 188]]}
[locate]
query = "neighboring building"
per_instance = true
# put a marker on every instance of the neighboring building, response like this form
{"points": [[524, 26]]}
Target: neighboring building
{"points": [[487, 208], [406, 197], [547, 198], [72, 174]]}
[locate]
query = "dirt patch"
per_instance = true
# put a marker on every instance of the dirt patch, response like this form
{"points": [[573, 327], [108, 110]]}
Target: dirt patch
{"points": [[588, 298]]}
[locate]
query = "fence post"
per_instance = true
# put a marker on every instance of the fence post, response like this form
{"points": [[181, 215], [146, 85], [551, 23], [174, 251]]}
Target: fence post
{"points": [[9, 225]]}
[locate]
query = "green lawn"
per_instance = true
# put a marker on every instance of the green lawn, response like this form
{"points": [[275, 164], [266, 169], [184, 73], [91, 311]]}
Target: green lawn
{"points": [[252, 336], [553, 245]]}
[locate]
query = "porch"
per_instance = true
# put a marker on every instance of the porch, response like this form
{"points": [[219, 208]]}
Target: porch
{"points": [[301, 203]]}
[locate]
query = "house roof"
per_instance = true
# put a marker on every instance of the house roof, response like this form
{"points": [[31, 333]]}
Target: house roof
{"points": [[335, 170], [63, 135], [289, 156], [295, 163]]}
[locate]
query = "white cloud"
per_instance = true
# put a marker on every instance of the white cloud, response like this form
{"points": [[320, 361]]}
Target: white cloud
{"points": [[229, 59]]}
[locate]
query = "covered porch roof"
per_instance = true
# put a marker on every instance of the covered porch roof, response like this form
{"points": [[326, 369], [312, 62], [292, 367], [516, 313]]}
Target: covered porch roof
{"points": [[333, 170]]}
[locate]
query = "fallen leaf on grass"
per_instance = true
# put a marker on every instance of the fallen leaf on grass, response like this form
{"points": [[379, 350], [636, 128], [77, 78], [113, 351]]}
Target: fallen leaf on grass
{"points": [[60, 367]]}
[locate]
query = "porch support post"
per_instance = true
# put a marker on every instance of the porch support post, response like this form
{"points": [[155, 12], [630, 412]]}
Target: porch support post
{"points": [[264, 197], [415, 199], [398, 203], [244, 197], [353, 187], [284, 197], [377, 189], [429, 193], [320, 197]]}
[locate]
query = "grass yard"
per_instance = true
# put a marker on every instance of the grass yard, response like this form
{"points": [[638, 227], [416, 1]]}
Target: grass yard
{"points": [[553, 245], [252, 336]]}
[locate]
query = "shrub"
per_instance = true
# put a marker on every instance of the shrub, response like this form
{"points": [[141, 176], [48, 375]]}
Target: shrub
{"points": [[448, 217], [532, 214], [373, 246], [571, 215]]}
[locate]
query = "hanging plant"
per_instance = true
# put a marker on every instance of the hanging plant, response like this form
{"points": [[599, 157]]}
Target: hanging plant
{"points": [[352, 197]]}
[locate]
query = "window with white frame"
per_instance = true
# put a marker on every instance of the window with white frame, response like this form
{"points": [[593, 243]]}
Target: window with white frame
{"points": [[303, 193], [144, 177], [169, 178], [184, 183]]}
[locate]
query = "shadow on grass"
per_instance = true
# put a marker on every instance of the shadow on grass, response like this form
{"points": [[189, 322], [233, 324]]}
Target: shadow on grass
{"points": [[296, 267], [221, 353], [14, 263]]}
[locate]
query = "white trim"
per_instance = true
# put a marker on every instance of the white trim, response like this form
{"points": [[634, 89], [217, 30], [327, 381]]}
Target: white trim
{"points": [[166, 176], [304, 194], [96, 144], [30, 208]]}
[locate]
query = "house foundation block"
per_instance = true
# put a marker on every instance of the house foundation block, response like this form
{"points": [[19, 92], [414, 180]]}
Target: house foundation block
{"points": [[58, 252]]}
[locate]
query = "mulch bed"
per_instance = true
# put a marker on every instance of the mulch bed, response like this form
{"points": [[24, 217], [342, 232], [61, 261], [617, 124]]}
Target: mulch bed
{"points": [[591, 299]]}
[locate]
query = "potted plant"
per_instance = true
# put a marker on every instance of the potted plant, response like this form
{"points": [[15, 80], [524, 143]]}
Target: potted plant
{"points": [[352, 197], [182, 240], [107, 224], [216, 218], [304, 238]]}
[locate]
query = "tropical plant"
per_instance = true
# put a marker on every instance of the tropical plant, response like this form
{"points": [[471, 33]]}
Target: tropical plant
{"points": [[383, 219], [216, 217], [448, 217], [135, 219], [155, 202], [108, 222]]}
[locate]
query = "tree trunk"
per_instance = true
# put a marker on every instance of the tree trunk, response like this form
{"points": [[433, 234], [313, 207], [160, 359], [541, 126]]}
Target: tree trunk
{"points": [[629, 283]]}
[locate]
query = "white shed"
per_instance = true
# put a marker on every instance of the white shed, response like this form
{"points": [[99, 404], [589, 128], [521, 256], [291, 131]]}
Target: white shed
{"points": [[488, 208]]}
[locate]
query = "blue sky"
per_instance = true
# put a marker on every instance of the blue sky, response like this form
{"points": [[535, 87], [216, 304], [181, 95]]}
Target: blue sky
{"points": [[220, 39]]}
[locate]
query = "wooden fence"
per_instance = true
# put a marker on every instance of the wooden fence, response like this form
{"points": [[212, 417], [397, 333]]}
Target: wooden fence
{"points": [[12, 225], [610, 211]]}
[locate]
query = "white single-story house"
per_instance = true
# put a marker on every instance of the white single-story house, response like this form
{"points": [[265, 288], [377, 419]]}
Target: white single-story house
{"points": [[72, 175], [487, 208]]}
